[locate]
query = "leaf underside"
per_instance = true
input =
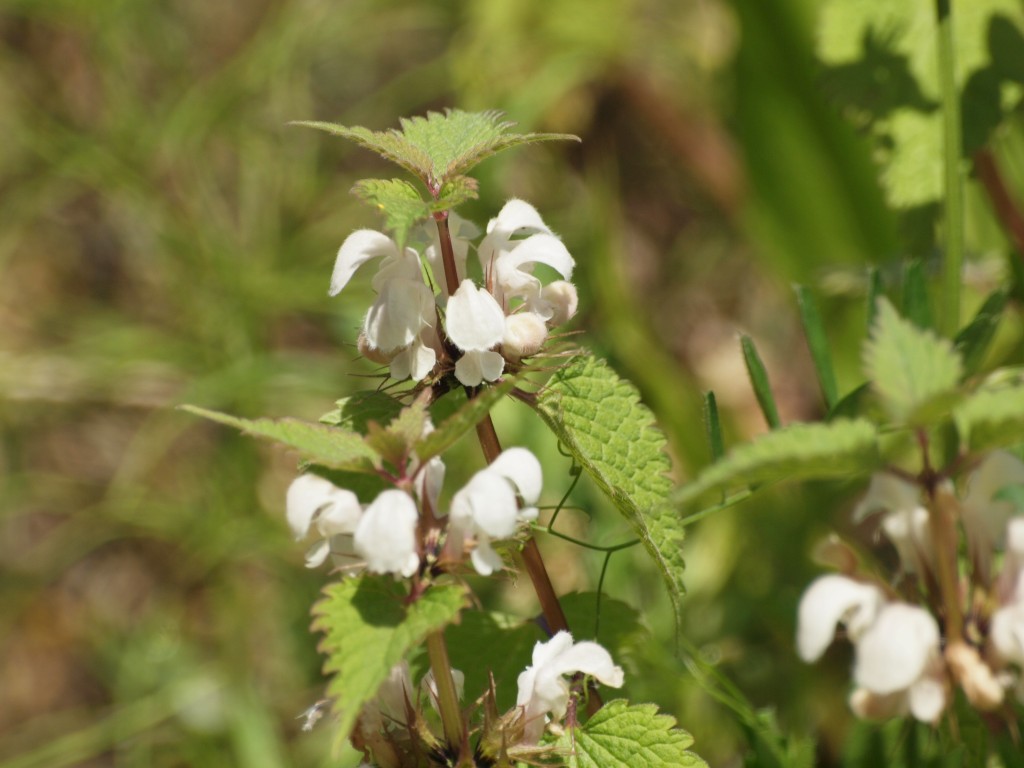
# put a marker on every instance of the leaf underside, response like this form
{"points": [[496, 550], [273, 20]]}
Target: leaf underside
{"points": [[599, 418]]}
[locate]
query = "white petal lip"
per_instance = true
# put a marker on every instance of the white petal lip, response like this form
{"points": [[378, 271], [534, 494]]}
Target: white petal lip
{"points": [[386, 534], [540, 249], [474, 320], [888, 493], [516, 215], [402, 310], [358, 248], [927, 699], [306, 495], [894, 652], [827, 602]]}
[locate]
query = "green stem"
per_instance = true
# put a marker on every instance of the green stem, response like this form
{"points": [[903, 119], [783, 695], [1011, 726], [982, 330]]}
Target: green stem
{"points": [[953, 233], [447, 700]]}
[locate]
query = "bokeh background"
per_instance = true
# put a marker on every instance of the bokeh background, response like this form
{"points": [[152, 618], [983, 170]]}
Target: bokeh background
{"points": [[166, 237]]}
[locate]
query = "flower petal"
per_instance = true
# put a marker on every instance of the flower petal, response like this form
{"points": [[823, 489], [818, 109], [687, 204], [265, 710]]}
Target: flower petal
{"points": [[520, 467], [358, 248], [403, 309], [474, 320], [307, 495], [485, 560], [829, 600], [927, 698], [590, 659], [386, 534], [894, 652], [889, 493]]}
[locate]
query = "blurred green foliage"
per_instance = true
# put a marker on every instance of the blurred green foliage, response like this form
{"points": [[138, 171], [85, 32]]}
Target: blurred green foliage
{"points": [[165, 237]]}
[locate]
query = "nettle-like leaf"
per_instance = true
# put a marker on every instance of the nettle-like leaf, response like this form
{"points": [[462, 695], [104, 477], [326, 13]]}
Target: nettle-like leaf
{"points": [[454, 192], [441, 145], [624, 735], [395, 442], [992, 417], [368, 629], [915, 372], [398, 200], [357, 411], [880, 66], [464, 419], [601, 421], [331, 447], [820, 451]]}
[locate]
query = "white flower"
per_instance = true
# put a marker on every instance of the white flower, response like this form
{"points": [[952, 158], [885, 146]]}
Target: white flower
{"points": [[404, 306], [390, 705], [335, 512], [508, 263], [829, 601], [418, 359], [475, 323], [542, 686], [898, 662], [905, 523], [899, 655], [386, 534], [524, 334], [487, 507], [984, 517]]}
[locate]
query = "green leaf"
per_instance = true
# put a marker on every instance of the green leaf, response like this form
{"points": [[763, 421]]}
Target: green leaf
{"points": [[398, 200], [454, 193], [874, 292], [463, 420], [356, 412], [817, 342], [991, 418], [798, 451], [915, 372], [599, 418], [713, 426], [396, 441], [368, 629], [330, 446], [624, 735], [441, 146], [759, 381], [880, 60], [974, 338]]}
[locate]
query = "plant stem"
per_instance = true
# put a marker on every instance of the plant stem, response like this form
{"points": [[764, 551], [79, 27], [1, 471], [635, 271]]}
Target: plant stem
{"points": [[447, 700], [942, 521], [1006, 208], [451, 274], [953, 233]]}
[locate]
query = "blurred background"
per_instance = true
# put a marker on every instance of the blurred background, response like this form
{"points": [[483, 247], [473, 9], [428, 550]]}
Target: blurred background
{"points": [[167, 238]]}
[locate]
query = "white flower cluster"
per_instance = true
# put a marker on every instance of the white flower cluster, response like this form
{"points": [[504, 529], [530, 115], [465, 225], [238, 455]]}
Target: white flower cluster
{"points": [[902, 662], [506, 319], [383, 537]]}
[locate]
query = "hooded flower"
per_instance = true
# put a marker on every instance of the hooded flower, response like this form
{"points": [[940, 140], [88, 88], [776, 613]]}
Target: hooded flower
{"points": [[313, 501], [985, 517], [487, 507], [508, 263], [898, 663], [386, 534], [905, 522], [405, 305], [543, 688], [475, 323]]}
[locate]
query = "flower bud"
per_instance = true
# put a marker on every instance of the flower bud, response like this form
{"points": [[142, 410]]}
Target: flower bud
{"points": [[524, 334], [980, 685], [561, 295]]}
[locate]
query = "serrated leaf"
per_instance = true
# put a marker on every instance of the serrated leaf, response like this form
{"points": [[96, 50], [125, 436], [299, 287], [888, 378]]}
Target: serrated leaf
{"points": [[463, 420], [440, 146], [396, 441], [915, 372], [398, 200], [332, 447], [991, 418], [624, 735], [599, 418], [796, 452], [454, 193], [368, 629], [357, 411]]}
